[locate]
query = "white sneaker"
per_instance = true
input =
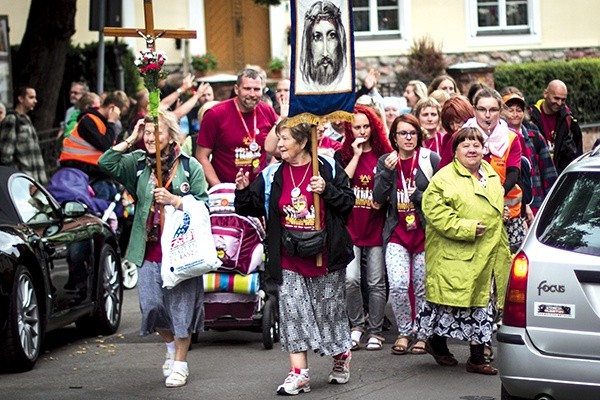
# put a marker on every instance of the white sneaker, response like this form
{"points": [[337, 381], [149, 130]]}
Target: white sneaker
{"points": [[168, 364], [294, 384], [341, 371], [178, 377]]}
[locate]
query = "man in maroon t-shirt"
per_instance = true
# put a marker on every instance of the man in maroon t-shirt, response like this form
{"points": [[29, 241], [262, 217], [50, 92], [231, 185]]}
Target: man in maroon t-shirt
{"points": [[234, 132]]}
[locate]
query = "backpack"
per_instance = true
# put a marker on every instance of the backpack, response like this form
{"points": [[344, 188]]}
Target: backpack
{"points": [[525, 181], [425, 163]]}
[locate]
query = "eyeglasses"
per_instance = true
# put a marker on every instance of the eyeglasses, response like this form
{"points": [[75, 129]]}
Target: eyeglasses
{"points": [[407, 134], [484, 110]]}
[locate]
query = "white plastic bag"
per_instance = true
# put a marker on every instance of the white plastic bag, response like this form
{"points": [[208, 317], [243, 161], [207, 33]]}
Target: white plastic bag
{"points": [[188, 249]]}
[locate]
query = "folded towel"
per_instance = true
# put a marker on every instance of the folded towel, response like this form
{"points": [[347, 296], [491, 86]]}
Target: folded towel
{"points": [[231, 283]]}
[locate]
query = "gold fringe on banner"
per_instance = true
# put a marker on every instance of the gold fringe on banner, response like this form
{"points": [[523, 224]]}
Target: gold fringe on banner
{"points": [[313, 119]]}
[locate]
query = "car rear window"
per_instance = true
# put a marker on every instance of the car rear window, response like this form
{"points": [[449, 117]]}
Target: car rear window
{"points": [[570, 219]]}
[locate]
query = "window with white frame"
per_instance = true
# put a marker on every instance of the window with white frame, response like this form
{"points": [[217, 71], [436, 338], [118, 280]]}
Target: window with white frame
{"points": [[377, 19], [503, 21], [502, 17]]}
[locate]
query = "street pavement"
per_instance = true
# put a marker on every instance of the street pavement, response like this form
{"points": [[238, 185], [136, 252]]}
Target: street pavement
{"points": [[229, 365]]}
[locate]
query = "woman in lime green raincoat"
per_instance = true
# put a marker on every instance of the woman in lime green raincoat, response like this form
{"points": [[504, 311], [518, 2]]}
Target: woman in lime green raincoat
{"points": [[466, 252]]}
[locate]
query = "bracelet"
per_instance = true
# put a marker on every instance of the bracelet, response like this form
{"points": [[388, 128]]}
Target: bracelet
{"points": [[129, 144]]}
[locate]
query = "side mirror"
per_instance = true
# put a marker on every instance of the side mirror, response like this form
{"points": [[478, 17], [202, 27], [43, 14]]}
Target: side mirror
{"points": [[74, 209]]}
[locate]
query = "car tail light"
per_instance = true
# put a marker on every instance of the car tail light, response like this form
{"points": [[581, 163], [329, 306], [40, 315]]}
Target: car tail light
{"points": [[515, 304]]}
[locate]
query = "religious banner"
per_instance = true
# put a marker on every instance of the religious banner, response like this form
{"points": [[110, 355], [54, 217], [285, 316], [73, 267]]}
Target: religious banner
{"points": [[322, 61]]}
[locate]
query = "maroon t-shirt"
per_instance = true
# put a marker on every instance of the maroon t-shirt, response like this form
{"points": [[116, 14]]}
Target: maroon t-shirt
{"points": [[223, 131], [365, 223], [435, 143], [411, 240], [298, 213], [548, 125]]}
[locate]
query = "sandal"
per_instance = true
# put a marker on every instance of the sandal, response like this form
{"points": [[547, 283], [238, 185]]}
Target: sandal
{"points": [[484, 369], [356, 336], [401, 345], [375, 343], [418, 348]]}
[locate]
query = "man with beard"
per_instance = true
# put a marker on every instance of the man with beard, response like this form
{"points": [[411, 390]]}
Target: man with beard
{"points": [[323, 53], [557, 124], [233, 132]]}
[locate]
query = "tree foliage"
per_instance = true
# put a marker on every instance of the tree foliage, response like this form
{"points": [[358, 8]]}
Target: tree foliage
{"points": [[582, 78], [40, 59], [425, 61]]}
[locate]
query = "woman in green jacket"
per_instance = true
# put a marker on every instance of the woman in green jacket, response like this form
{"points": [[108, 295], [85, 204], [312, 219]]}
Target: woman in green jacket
{"points": [[178, 312], [466, 250]]}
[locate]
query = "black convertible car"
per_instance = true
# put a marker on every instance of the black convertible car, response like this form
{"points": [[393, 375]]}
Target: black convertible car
{"points": [[58, 265]]}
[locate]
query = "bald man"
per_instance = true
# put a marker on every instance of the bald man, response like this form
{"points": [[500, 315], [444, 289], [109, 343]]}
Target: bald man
{"points": [[557, 124]]}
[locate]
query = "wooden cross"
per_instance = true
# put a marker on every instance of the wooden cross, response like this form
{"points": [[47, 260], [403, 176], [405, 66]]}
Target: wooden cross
{"points": [[149, 34]]}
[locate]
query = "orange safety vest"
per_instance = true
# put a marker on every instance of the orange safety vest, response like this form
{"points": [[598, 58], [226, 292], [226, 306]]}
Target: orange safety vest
{"points": [[77, 149], [514, 197]]}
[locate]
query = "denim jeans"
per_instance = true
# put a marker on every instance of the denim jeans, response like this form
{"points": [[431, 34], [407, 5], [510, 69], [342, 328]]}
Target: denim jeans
{"points": [[375, 277]]}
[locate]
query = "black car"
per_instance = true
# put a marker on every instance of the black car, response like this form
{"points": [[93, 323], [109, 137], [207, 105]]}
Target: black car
{"points": [[58, 265]]}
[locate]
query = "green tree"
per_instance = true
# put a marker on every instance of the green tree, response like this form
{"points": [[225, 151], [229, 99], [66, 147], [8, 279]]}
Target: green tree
{"points": [[40, 59]]}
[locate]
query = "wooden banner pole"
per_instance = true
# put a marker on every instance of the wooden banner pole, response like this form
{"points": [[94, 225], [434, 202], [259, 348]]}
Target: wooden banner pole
{"points": [[316, 197]]}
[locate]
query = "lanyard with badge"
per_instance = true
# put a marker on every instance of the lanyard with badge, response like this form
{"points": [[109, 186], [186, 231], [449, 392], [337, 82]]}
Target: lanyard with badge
{"points": [[251, 138], [406, 210]]}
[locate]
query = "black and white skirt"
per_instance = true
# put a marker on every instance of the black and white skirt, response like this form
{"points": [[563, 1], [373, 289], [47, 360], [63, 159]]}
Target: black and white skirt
{"points": [[472, 324], [312, 313], [515, 228]]}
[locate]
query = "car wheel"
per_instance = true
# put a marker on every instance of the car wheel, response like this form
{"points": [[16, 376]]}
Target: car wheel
{"points": [[130, 274], [270, 324], [109, 296], [24, 331]]}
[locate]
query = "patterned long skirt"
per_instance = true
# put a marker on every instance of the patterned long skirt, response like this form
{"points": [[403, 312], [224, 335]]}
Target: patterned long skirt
{"points": [[472, 324], [312, 313]]}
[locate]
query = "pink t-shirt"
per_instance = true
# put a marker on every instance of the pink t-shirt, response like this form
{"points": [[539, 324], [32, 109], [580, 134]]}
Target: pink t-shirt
{"points": [[223, 131], [298, 213], [365, 223], [328, 143], [412, 240]]}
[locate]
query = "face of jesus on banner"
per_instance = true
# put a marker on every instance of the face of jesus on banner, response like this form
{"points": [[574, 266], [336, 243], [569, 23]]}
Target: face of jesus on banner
{"points": [[326, 58], [323, 52]]}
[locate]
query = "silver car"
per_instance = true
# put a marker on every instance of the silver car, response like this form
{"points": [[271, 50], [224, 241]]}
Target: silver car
{"points": [[549, 340]]}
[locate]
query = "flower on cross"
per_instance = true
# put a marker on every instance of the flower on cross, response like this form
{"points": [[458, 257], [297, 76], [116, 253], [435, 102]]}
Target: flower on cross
{"points": [[150, 64]]}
